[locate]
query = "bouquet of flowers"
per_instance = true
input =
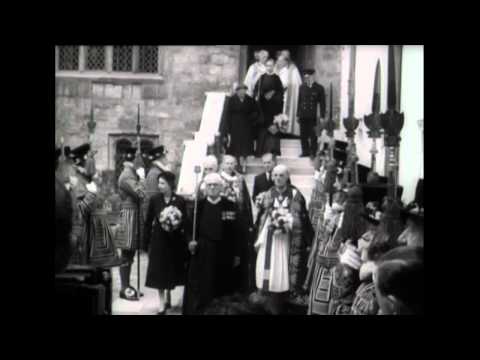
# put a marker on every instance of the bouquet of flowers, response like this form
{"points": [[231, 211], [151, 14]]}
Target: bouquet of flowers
{"points": [[170, 218], [259, 199], [282, 121], [281, 219]]}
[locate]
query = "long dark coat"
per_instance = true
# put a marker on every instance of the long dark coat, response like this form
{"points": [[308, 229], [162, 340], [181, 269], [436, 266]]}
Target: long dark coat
{"points": [[239, 123], [268, 142], [210, 271], [167, 251]]}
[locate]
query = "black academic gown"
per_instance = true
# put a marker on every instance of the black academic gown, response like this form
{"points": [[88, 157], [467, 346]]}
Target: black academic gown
{"points": [[210, 272], [269, 109]]}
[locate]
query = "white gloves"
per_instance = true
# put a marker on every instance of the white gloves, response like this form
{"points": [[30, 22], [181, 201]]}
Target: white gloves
{"points": [[92, 187], [141, 173]]}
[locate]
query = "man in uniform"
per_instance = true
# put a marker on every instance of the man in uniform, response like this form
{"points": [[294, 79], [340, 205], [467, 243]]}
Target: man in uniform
{"points": [[131, 193], [310, 94]]}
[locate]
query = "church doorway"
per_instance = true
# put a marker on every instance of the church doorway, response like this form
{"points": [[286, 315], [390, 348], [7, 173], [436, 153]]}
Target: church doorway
{"points": [[303, 56]]}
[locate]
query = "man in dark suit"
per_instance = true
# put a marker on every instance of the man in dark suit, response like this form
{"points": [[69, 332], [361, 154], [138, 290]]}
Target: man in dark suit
{"points": [[263, 181], [310, 95]]}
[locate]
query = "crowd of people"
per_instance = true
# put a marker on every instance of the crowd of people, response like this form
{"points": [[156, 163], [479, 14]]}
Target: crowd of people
{"points": [[272, 101], [267, 253], [355, 250]]}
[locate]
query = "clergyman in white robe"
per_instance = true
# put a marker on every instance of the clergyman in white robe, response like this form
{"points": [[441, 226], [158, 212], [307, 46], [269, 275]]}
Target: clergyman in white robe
{"points": [[254, 72], [291, 80]]}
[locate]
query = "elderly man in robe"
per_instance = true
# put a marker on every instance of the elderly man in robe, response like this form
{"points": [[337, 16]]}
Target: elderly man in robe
{"points": [[285, 234], [291, 80], [215, 249], [255, 71], [210, 165]]}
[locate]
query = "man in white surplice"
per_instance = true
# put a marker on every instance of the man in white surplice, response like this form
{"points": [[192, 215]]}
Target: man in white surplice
{"points": [[256, 70], [291, 80], [282, 250]]}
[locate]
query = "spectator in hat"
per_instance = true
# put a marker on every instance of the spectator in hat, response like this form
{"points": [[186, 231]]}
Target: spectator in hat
{"points": [[399, 281], [371, 246], [311, 95], [157, 158], [413, 215], [238, 124], [131, 194], [413, 233], [165, 227]]}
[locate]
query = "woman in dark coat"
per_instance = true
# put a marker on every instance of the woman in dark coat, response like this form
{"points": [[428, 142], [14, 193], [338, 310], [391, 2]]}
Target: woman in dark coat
{"points": [[239, 122], [167, 246]]}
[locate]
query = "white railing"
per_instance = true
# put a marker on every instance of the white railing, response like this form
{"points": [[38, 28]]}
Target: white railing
{"points": [[195, 150]]}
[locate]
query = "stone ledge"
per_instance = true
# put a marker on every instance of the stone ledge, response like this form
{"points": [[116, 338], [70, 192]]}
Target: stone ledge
{"points": [[112, 78]]}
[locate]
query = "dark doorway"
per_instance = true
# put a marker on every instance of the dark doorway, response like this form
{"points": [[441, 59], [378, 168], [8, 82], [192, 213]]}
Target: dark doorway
{"points": [[272, 50], [302, 55], [122, 144]]}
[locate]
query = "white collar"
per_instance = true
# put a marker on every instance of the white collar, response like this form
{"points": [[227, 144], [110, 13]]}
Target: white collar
{"points": [[161, 166], [229, 178], [214, 202]]}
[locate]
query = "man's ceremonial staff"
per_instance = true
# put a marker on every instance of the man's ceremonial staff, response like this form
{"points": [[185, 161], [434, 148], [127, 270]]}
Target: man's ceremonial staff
{"points": [[331, 167], [197, 170], [373, 122], [138, 163], [351, 123]]}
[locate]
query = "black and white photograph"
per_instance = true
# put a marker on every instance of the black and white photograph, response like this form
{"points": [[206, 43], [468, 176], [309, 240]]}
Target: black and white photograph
{"points": [[239, 180]]}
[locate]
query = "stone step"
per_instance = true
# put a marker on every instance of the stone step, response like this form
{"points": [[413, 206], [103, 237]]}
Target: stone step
{"points": [[257, 169], [291, 152], [292, 162], [289, 143]]}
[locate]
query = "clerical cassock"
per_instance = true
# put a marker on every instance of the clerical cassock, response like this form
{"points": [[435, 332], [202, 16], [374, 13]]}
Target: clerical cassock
{"points": [[269, 92], [210, 273]]}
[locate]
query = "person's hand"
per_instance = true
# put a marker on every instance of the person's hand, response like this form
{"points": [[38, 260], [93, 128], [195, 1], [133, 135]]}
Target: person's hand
{"points": [[273, 129], [236, 261], [73, 181], [92, 187], [269, 94], [192, 247]]}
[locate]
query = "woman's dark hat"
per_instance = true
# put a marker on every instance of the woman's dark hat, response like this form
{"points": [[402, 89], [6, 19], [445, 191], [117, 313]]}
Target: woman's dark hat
{"points": [[308, 72], [157, 153], [169, 177], [241, 86], [372, 213]]}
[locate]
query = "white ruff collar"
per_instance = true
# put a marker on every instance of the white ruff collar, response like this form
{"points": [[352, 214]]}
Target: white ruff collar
{"points": [[214, 202], [229, 178], [162, 166]]}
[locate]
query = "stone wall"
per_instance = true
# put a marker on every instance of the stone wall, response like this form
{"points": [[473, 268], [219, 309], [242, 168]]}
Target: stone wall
{"points": [[328, 68], [171, 108]]}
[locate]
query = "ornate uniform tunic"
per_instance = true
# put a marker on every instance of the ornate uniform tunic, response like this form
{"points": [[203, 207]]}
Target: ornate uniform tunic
{"points": [[131, 193]]}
